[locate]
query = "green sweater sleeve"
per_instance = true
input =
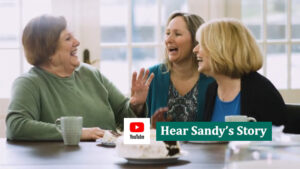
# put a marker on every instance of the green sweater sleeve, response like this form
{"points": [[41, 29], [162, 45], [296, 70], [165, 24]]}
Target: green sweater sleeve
{"points": [[23, 119]]}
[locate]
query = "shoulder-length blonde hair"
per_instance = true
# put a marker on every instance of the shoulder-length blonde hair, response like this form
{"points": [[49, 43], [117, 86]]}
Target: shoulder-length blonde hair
{"points": [[193, 22], [231, 47]]}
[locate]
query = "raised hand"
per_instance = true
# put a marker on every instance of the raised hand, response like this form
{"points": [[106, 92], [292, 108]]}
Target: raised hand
{"points": [[139, 89]]}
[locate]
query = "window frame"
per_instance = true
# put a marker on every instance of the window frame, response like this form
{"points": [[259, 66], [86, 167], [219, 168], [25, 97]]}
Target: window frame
{"points": [[288, 42], [18, 47], [129, 44]]}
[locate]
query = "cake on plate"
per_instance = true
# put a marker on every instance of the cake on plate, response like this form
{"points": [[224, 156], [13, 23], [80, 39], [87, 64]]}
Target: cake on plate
{"points": [[109, 137], [156, 149]]}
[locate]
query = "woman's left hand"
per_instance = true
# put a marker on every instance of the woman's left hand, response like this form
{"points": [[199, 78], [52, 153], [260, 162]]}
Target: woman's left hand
{"points": [[139, 89], [159, 116]]}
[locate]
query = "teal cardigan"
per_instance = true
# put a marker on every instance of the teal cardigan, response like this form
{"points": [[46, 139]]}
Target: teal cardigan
{"points": [[159, 89]]}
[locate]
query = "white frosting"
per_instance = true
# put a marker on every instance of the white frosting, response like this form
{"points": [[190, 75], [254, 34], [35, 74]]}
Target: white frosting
{"points": [[156, 149]]}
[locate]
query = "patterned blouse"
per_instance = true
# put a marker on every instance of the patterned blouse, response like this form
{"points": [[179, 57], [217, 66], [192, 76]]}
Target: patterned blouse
{"points": [[182, 108]]}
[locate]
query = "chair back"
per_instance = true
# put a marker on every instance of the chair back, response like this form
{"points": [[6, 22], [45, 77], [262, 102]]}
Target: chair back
{"points": [[293, 119], [2, 125]]}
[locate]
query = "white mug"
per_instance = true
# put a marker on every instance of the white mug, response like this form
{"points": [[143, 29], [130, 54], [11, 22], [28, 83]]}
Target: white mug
{"points": [[70, 128], [239, 118]]}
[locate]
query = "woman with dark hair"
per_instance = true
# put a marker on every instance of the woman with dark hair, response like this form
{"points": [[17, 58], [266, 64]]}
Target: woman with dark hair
{"points": [[59, 85]]}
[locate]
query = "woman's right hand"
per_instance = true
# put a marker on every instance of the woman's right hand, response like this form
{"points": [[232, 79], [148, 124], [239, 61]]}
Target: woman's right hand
{"points": [[91, 133], [159, 116]]}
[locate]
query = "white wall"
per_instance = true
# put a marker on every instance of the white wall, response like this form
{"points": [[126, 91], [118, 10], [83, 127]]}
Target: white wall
{"points": [[212, 9], [89, 29], [83, 19], [291, 96]]}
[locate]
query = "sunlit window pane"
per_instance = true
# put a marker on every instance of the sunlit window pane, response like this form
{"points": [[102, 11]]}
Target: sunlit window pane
{"points": [[144, 19], [113, 20], [252, 16], [11, 64], [277, 65], [261, 70], [276, 19], [114, 66], [168, 7], [295, 66], [31, 9], [10, 25], [9, 70], [295, 19], [144, 58]]}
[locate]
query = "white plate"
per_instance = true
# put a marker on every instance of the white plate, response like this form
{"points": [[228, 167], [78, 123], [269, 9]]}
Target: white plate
{"points": [[101, 142], [208, 142], [153, 160], [161, 160], [265, 164], [274, 144]]}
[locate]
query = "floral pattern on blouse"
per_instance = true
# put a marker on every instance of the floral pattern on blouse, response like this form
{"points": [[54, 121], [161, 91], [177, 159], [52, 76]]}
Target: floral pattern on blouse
{"points": [[182, 108]]}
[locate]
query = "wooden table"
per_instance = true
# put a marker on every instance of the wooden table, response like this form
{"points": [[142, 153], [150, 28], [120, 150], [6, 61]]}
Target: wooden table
{"points": [[55, 155]]}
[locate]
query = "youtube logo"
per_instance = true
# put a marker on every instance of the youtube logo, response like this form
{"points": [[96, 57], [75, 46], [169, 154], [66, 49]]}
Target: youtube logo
{"points": [[136, 130], [136, 127]]}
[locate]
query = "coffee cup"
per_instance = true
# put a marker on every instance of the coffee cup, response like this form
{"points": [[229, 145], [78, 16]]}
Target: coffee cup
{"points": [[239, 118], [70, 128]]}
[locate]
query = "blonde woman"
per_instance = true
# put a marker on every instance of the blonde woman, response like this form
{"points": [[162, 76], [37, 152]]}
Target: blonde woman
{"points": [[228, 52]]}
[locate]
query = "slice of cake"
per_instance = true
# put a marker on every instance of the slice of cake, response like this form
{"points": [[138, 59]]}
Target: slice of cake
{"points": [[109, 137], [156, 149], [172, 147]]}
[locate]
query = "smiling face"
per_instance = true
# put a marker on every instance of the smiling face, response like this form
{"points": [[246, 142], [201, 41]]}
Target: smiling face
{"points": [[202, 59], [178, 40], [65, 55]]}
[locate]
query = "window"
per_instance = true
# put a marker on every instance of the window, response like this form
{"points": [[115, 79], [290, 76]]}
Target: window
{"points": [[13, 62], [276, 27], [131, 36]]}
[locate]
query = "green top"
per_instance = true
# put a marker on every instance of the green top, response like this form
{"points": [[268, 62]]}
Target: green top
{"points": [[39, 98]]}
